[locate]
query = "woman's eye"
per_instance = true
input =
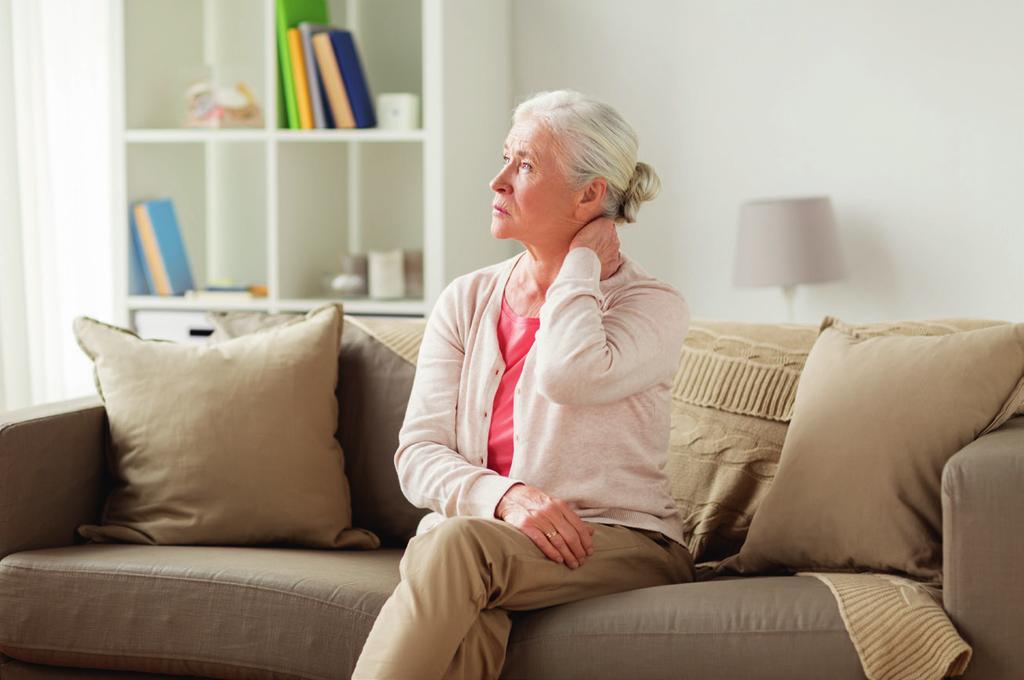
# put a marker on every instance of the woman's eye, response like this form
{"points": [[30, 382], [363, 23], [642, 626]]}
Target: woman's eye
{"points": [[505, 159]]}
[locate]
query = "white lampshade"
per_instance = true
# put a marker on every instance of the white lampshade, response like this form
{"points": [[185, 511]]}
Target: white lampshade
{"points": [[787, 241]]}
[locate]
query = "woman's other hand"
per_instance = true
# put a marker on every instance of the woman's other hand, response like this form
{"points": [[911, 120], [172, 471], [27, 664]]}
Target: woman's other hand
{"points": [[549, 522], [601, 236]]}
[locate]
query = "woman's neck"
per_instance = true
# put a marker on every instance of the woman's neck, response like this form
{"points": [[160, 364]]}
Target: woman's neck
{"points": [[537, 270]]}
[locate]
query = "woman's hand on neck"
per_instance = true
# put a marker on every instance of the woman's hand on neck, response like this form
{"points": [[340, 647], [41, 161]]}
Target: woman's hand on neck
{"points": [[543, 262]]}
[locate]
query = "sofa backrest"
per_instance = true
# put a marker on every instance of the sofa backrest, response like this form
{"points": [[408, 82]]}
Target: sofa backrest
{"points": [[374, 382]]}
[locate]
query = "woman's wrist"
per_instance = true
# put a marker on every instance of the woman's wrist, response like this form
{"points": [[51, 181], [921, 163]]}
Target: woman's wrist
{"points": [[505, 500]]}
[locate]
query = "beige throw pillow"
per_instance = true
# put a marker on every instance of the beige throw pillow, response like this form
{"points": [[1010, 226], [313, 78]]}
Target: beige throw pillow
{"points": [[731, 405], [874, 421], [227, 444], [377, 365]]}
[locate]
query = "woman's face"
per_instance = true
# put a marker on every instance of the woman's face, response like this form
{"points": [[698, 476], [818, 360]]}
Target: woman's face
{"points": [[534, 202]]}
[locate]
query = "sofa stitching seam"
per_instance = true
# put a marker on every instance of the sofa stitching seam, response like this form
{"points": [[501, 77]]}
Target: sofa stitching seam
{"points": [[546, 638], [162, 656], [243, 586]]}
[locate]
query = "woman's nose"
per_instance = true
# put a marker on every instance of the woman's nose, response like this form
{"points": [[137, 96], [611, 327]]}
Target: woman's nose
{"points": [[499, 184]]}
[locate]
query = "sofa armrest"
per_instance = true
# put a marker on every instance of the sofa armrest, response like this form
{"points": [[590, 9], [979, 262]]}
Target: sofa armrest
{"points": [[982, 549], [52, 465]]}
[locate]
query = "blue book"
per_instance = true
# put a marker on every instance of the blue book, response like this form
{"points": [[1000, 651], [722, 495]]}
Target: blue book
{"points": [[171, 245], [139, 278], [355, 81]]}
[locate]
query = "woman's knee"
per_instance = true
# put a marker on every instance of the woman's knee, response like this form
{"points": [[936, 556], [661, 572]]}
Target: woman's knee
{"points": [[455, 533]]}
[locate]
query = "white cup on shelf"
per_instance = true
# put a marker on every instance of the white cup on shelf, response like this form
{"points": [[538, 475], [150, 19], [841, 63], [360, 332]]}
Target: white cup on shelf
{"points": [[398, 111], [386, 273]]}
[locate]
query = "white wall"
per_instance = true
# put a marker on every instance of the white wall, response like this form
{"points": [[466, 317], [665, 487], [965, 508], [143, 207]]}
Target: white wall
{"points": [[909, 114]]}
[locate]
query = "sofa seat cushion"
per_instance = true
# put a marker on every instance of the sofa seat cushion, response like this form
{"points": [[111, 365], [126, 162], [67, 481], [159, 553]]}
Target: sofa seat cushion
{"points": [[769, 628], [219, 612], [255, 612]]}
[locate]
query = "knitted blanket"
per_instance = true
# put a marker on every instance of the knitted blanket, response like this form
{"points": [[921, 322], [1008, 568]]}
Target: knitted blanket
{"points": [[897, 626]]}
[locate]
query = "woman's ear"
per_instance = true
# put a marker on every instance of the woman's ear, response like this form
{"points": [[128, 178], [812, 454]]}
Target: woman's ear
{"points": [[590, 200]]}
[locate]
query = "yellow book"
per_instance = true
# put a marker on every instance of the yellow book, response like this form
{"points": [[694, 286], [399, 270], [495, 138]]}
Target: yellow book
{"points": [[300, 80], [337, 97]]}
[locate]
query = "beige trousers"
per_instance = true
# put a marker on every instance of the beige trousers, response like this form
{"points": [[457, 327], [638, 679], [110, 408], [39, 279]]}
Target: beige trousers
{"points": [[448, 616]]}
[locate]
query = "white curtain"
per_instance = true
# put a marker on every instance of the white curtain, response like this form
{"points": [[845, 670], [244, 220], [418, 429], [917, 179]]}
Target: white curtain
{"points": [[56, 212]]}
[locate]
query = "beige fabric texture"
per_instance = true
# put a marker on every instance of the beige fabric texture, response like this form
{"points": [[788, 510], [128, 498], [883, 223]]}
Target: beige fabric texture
{"points": [[875, 419], [732, 402], [982, 509], [720, 466], [376, 365], [316, 607], [230, 444], [744, 368], [898, 627], [401, 336], [254, 613], [234, 324]]}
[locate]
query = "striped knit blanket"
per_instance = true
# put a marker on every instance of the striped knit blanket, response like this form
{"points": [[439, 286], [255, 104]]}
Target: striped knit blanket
{"points": [[897, 626]]}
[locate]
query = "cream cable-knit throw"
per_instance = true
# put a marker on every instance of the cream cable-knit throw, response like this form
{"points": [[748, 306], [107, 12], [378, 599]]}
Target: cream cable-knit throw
{"points": [[898, 626]]}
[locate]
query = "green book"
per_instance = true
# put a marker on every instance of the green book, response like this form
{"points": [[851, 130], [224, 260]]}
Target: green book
{"points": [[289, 14]]}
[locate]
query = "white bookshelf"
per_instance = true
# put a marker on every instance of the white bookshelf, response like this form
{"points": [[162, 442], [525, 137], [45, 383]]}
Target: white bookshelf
{"points": [[279, 207]]}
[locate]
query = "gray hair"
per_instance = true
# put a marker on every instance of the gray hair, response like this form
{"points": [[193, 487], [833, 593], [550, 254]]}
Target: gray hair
{"points": [[595, 141]]}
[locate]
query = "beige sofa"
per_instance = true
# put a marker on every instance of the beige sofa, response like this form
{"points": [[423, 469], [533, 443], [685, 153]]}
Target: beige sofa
{"points": [[285, 612]]}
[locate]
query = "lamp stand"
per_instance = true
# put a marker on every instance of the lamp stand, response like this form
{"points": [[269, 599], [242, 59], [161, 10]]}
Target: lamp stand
{"points": [[789, 292]]}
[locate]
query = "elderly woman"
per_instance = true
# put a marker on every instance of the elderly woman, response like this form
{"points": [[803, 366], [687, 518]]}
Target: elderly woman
{"points": [[538, 423]]}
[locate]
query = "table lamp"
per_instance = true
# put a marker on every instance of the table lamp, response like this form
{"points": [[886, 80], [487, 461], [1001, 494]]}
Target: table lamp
{"points": [[785, 242]]}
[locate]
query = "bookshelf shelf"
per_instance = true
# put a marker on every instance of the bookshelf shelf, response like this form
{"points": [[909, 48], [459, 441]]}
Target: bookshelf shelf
{"points": [[399, 307], [280, 207], [368, 135], [256, 135], [136, 302], [358, 306], [192, 136]]}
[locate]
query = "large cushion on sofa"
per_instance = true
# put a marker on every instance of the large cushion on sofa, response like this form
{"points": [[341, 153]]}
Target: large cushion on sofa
{"points": [[376, 367], [228, 612], [225, 445], [732, 401]]}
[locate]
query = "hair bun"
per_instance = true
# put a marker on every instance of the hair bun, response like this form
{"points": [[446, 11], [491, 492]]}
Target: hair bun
{"points": [[644, 185]]}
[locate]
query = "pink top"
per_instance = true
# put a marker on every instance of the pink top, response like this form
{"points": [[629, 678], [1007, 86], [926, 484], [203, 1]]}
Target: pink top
{"points": [[515, 337]]}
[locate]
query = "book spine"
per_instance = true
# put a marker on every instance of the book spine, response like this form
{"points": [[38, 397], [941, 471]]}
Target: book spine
{"points": [[336, 94], [299, 78], [171, 245], [140, 280], [355, 80], [160, 282], [285, 64], [312, 77]]}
